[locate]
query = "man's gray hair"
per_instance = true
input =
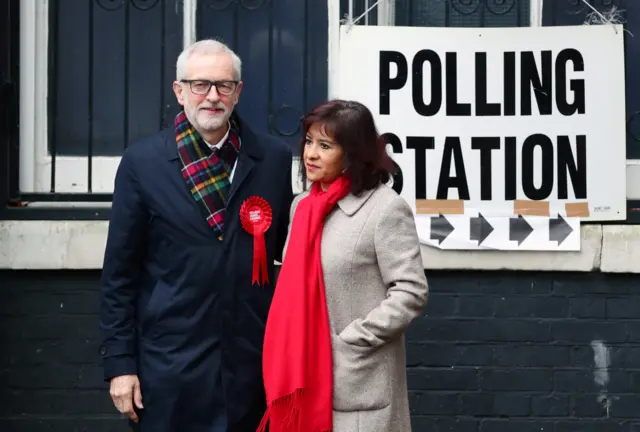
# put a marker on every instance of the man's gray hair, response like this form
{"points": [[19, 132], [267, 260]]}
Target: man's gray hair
{"points": [[207, 46]]}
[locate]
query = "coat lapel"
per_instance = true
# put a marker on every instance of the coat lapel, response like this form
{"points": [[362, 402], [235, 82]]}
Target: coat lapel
{"points": [[243, 170], [250, 154]]}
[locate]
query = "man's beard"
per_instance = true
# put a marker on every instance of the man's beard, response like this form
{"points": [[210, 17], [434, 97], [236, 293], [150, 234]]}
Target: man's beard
{"points": [[206, 122]]}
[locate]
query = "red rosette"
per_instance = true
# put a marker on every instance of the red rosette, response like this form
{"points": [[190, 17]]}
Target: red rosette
{"points": [[255, 217]]}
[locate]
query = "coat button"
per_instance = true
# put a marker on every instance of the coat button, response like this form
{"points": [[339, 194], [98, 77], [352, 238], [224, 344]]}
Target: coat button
{"points": [[103, 350]]}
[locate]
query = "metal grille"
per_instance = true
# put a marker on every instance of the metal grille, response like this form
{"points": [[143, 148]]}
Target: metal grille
{"points": [[112, 64], [462, 13], [445, 13]]}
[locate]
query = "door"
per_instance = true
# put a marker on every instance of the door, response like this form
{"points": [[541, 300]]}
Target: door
{"points": [[283, 47], [9, 18]]}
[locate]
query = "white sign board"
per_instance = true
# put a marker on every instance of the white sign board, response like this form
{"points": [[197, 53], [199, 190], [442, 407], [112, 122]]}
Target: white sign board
{"points": [[514, 124]]}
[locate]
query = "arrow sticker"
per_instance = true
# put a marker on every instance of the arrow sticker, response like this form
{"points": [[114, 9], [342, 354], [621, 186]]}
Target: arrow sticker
{"points": [[559, 230], [480, 229], [440, 228], [507, 232], [519, 229]]}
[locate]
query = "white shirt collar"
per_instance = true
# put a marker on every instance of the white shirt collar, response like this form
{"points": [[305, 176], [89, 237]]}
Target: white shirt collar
{"points": [[222, 141]]}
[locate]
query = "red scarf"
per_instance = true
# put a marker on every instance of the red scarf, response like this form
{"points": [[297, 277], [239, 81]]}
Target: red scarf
{"points": [[297, 362]]}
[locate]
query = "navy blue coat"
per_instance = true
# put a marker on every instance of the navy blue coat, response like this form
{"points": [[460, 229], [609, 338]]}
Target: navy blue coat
{"points": [[177, 304]]}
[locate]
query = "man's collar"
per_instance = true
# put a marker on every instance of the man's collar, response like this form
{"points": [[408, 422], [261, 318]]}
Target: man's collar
{"points": [[224, 138]]}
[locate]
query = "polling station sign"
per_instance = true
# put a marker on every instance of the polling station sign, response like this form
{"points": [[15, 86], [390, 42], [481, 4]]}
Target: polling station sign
{"points": [[505, 138]]}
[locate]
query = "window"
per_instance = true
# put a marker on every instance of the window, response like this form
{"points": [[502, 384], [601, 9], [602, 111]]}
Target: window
{"points": [[90, 73], [88, 88], [96, 76], [514, 13]]}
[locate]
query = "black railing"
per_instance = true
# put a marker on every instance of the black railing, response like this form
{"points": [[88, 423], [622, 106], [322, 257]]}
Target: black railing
{"points": [[463, 13]]}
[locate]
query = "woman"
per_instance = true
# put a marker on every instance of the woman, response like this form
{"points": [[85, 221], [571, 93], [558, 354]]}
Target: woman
{"points": [[352, 281]]}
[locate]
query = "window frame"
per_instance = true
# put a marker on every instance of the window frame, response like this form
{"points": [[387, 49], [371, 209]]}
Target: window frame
{"points": [[26, 191], [35, 160]]}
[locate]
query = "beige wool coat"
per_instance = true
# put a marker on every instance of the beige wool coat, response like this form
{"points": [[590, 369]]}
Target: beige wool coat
{"points": [[375, 286]]}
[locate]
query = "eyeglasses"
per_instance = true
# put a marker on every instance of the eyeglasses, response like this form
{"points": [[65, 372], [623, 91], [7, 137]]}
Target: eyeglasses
{"points": [[203, 87]]}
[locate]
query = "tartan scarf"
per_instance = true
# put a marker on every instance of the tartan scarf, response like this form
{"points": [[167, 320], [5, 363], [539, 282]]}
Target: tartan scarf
{"points": [[206, 171]]}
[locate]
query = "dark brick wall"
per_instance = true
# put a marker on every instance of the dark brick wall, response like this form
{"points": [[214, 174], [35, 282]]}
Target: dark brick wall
{"points": [[512, 352], [50, 374], [497, 352]]}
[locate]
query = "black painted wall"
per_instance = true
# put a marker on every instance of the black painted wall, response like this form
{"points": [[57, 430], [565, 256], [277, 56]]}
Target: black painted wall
{"points": [[497, 352]]}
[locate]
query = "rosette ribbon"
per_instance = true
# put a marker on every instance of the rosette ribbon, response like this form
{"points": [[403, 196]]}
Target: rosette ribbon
{"points": [[256, 216]]}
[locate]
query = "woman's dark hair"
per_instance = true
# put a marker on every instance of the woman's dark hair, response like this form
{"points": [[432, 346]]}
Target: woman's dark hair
{"points": [[352, 126]]}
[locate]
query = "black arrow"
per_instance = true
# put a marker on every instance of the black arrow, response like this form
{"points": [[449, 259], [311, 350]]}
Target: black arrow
{"points": [[559, 230], [480, 229], [440, 228], [519, 229]]}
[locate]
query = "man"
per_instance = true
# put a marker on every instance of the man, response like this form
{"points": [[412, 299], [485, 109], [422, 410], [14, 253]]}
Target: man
{"points": [[187, 281]]}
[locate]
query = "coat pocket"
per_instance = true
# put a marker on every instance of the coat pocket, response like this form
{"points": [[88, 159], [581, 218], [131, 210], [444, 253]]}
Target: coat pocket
{"points": [[155, 306], [361, 379]]}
